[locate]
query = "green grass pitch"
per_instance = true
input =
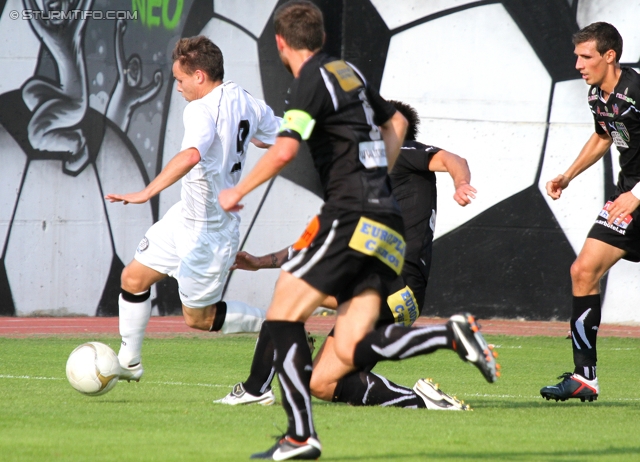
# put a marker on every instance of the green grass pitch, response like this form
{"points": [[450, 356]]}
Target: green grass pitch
{"points": [[169, 415]]}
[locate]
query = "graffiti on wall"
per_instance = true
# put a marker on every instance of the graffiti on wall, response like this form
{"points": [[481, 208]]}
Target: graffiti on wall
{"points": [[91, 108]]}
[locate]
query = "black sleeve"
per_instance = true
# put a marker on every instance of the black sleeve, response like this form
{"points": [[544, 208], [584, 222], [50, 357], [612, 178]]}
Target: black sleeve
{"points": [[309, 94], [599, 130], [382, 109], [416, 156]]}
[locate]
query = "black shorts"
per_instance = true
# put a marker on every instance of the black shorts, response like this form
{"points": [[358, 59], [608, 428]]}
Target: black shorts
{"points": [[624, 235], [344, 253], [400, 306]]}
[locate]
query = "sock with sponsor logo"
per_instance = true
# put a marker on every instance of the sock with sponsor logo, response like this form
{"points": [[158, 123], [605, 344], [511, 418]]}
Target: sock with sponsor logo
{"points": [[585, 321], [398, 342], [293, 364], [262, 369], [134, 314], [369, 389]]}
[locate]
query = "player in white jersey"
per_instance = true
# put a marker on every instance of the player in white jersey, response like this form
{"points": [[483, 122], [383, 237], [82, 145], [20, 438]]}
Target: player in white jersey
{"points": [[196, 241]]}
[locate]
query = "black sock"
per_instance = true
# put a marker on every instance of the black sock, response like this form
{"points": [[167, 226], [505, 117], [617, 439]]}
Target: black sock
{"points": [[398, 342], [262, 368], [293, 364], [218, 320], [369, 389], [585, 321]]}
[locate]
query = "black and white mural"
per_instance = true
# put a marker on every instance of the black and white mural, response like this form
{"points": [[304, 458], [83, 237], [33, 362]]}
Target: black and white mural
{"points": [[88, 106]]}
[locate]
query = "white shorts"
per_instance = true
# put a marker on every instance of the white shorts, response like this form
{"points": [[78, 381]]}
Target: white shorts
{"points": [[198, 260]]}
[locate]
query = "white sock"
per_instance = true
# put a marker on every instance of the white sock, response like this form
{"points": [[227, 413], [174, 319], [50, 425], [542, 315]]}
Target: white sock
{"points": [[242, 318], [133, 321]]}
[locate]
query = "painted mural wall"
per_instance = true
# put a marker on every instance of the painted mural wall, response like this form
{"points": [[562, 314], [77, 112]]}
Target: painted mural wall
{"points": [[88, 106]]}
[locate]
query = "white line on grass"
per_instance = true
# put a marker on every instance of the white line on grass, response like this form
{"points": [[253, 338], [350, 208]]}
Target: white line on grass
{"points": [[28, 377], [213, 385], [31, 377]]}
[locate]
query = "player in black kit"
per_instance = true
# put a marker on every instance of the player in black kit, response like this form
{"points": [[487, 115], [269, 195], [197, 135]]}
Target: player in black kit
{"points": [[613, 96], [413, 184], [355, 248]]}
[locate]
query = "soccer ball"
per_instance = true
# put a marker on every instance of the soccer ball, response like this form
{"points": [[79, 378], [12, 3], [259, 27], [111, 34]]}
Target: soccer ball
{"points": [[93, 368]]}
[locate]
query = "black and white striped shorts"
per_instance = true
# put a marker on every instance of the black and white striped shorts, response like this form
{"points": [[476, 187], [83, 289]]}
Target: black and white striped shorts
{"points": [[344, 253]]}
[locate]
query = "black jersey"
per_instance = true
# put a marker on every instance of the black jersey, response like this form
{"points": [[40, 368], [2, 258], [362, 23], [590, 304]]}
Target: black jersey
{"points": [[332, 106], [619, 117], [414, 187]]}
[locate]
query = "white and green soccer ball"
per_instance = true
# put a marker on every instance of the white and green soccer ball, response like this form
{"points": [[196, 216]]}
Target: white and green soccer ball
{"points": [[93, 368]]}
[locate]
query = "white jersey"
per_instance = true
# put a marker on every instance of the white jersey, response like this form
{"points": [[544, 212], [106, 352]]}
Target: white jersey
{"points": [[220, 126]]}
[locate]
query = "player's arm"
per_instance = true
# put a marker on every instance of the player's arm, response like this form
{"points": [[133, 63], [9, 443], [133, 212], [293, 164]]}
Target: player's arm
{"points": [[259, 144], [596, 147], [246, 261], [270, 164], [177, 167], [458, 169], [393, 132]]}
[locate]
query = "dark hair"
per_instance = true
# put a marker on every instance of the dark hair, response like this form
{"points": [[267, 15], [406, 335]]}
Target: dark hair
{"points": [[300, 24], [412, 117], [604, 34], [199, 52]]}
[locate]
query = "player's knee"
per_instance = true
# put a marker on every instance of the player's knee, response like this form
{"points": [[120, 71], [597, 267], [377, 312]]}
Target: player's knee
{"points": [[196, 318], [580, 272], [321, 389], [131, 282], [584, 277], [191, 322], [345, 355]]}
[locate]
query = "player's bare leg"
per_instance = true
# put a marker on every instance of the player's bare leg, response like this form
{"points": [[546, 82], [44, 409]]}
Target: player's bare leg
{"points": [[594, 260], [351, 327], [199, 318]]}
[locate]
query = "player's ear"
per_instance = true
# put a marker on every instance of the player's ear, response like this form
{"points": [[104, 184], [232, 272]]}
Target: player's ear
{"points": [[280, 43], [610, 56]]}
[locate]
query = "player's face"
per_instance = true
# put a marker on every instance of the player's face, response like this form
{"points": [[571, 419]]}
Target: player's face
{"points": [[280, 44], [592, 65], [187, 84]]}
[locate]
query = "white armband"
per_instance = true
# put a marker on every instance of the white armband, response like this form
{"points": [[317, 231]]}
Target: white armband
{"points": [[636, 191]]}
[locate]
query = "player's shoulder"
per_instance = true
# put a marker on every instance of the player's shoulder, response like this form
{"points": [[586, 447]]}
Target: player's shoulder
{"points": [[630, 80], [311, 70], [345, 74], [196, 108]]}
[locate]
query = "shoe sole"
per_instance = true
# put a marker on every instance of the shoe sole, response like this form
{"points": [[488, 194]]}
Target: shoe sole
{"points": [[457, 405], [132, 377], [485, 356], [550, 396], [263, 402]]}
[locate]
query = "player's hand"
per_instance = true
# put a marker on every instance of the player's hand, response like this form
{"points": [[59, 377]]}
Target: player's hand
{"points": [[246, 261], [464, 193], [555, 186], [132, 198], [624, 205], [228, 200]]}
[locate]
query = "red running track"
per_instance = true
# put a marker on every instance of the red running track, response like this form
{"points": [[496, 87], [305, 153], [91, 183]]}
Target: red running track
{"points": [[168, 326]]}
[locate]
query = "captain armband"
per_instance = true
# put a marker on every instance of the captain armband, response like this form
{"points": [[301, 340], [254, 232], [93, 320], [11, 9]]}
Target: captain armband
{"points": [[298, 121]]}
